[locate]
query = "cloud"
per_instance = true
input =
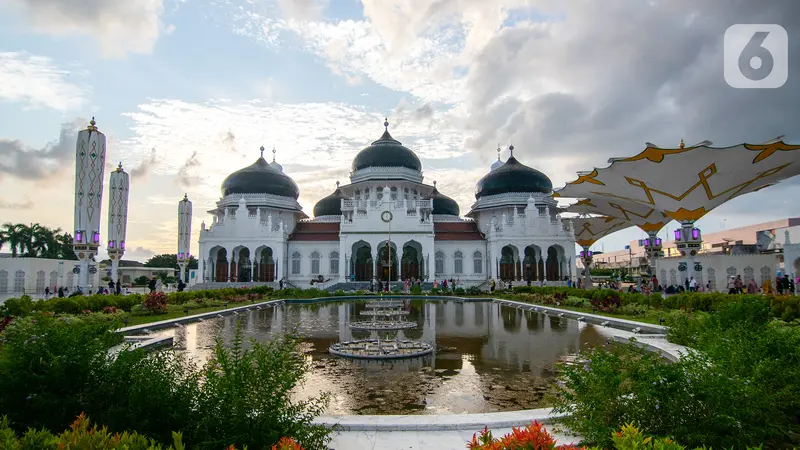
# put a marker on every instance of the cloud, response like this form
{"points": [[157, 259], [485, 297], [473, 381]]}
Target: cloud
{"points": [[25, 204], [20, 161], [37, 82], [118, 27], [302, 10], [145, 166], [138, 253], [186, 177]]}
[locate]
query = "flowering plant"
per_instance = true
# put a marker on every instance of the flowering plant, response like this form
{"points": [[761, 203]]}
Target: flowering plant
{"points": [[287, 443], [533, 437], [110, 309], [155, 303]]}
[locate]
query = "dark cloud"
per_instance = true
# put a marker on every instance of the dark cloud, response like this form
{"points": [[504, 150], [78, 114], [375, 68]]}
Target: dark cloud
{"points": [[186, 178], [145, 166], [229, 140], [8, 204], [20, 161]]}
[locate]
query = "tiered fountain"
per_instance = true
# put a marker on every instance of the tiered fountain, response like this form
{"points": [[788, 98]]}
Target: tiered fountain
{"points": [[385, 316]]}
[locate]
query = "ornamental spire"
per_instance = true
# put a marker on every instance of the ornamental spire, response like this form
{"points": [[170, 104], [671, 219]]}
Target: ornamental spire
{"points": [[682, 145], [273, 153], [262, 151], [498, 151], [386, 123], [511, 149]]}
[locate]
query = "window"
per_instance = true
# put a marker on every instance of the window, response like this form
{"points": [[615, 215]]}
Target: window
{"points": [[296, 263], [439, 263], [748, 274], [334, 269], [315, 263], [458, 257], [766, 275], [712, 279], [477, 262]]}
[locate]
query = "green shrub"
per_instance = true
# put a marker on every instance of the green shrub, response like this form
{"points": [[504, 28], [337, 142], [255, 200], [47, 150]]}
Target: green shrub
{"points": [[339, 293], [416, 289], [634, 309], [474, 290], [459, 291]]}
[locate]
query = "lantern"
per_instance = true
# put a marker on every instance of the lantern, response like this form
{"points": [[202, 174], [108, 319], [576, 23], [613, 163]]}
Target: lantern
{"points": [[678, 234], [695, 233]]}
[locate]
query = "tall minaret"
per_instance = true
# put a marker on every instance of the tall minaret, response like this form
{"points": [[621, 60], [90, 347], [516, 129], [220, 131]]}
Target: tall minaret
{"points": [[184, 234], [90, 161], [117, 217]]}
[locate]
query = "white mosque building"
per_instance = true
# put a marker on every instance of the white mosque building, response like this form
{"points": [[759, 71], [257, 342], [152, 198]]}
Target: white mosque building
{"points": [[386, 224]]}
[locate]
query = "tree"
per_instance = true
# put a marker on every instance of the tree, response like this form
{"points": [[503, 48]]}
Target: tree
{"points": [[169, 260], [36, 241]]}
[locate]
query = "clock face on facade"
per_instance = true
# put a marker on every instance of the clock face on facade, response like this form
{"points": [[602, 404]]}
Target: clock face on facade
{"points": [[386, 216]]}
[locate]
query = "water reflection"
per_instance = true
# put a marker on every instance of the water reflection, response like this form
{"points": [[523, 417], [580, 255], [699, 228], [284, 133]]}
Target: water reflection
{"points": [[489, 357]]}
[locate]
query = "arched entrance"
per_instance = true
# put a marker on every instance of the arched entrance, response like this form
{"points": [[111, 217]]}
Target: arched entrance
{"points": [[244, 266], [387, 262], [411, 263], [530, 270], [221, 265], [362, 261], [552, 268], [508, 261], [265, 265]]}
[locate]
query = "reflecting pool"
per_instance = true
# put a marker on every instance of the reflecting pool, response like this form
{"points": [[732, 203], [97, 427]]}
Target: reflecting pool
{"points": [[488, 357]]}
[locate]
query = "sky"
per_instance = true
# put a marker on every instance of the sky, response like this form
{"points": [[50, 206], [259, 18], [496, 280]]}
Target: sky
{"points": [[187, 91]]}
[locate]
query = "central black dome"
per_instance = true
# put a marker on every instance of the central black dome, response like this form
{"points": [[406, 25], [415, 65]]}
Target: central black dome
{"points": [[330, 205], [443, 204], [513, 176], [260, 178], [386, 152]]}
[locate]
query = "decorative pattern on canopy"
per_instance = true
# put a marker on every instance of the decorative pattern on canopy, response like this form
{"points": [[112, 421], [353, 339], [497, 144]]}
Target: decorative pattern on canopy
{"points": [[688, 182], [589, 230], [648, 219]]}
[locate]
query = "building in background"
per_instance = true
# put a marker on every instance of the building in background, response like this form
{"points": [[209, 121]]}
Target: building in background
{"points": [[31, 276]]}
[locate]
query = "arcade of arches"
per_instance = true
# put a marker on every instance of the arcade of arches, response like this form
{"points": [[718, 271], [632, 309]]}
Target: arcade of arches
{"points": [[384, 266], [241, 267], [532, 264]]}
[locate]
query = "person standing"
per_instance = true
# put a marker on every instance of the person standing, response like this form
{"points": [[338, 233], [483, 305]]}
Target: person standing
{"points": [[692, 284], [118, 288], [752, 287]]}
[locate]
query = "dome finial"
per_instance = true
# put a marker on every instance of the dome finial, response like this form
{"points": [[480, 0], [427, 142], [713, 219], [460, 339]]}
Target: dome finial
{"points": [[682, 144], [92, 125], [119, 168], [386, 123], [273, 153], [498, 151], [337, 184], [434, 184], [511, 149], [262, 151]]}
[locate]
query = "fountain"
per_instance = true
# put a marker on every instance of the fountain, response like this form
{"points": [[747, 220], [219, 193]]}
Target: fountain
{"points": [[386, 316]]}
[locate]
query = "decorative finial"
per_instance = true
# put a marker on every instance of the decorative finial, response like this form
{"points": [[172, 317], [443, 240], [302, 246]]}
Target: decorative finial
{"points": [[682, 144], [92, 125], [186, 197], [386, 123], [273, 153], [119, 168], [498, 151], [337, 184], [92, 122], [434, 184], [262, 151], [511, 149]]}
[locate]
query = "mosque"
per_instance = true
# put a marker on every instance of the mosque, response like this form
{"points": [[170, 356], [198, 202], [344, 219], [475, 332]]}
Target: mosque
{"points": [[387, 225]]}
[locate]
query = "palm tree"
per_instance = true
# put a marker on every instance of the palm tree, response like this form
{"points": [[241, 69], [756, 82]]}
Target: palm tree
{"points": [[11, 235], [37, 241]]}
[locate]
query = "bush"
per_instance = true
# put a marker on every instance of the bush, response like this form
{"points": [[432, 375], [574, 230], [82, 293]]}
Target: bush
{"points": [[155, 303], [416, 289], [459, 291], [474, 290], [533, 436]]}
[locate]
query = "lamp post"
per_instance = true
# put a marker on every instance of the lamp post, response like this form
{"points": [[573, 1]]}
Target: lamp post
{"points": [[653, 249], [688, 241], [184, 235], [119, 185], [586, 258], [386, 216]]}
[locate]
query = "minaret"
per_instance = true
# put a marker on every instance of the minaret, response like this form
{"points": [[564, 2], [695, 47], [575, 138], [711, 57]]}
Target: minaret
{"points": [[90, 161], [119, 184], [184, 234]]}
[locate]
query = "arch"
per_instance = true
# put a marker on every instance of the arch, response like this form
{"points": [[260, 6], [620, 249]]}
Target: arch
{"points": [[509, 258], [218, 256], [315, 257], [439, 267], [333, 263], [387, 261], [552, 269], [19, 281], [748, 274], [731, 271], [70, 280], [4, 280], [477, 262], [40, 281], [362, 261], [53, 280], [796, 266], [458, 262], [712, 279], [673, 277], [530, 262], [296, 259], [766, 274], [411, 260], [662, 280], [243, 265], [265, 264]]}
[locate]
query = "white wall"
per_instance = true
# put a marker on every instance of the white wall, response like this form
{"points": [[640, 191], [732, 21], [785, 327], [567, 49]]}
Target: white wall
{"points": [[721, 266], [467, 249], [32, 275], [306, 249]]}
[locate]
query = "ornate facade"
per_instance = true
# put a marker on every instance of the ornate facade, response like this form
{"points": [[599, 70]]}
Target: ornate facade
{"points": [[386, 224]]}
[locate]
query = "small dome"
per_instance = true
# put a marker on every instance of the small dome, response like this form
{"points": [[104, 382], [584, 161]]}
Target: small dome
{"points": [[513, 176], [443, 204], [260, 178], [330, 205], [386, 152]]}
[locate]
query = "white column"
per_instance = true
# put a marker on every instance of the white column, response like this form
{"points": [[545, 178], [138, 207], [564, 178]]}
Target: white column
{"points": [[252, 269], [342, 260], [375, 264], [230, 268]]}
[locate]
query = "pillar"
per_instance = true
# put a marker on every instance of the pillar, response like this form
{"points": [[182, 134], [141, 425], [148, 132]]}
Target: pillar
{"points": [[375, 264], [586, 257], [230, 268], [252, 269]]}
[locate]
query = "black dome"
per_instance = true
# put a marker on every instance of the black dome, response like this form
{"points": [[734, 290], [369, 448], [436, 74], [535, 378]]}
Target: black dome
{"points": [[330, 205], [443, 204], [386, 152], [260, 178], [513, 176]]}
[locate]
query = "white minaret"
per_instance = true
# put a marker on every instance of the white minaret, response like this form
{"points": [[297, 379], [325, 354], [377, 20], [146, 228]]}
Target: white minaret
{"points": [[184, 234], [90, 160], [118, 185]]}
